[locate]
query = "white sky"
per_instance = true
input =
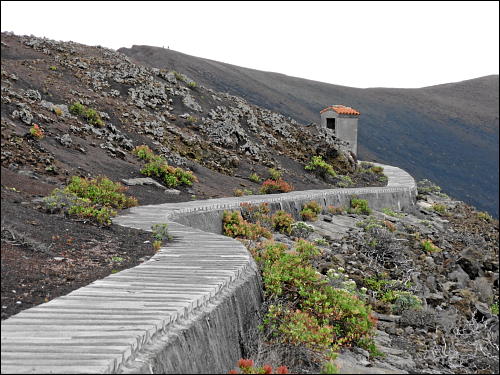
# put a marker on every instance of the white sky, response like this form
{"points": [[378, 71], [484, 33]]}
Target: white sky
{"points": [[359, 44]]}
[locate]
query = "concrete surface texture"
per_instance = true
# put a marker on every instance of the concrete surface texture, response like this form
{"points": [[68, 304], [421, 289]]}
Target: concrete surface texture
{"points": [[185, 310]]}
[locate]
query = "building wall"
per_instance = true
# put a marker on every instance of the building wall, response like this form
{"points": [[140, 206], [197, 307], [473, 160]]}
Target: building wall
{"points": [[346, 128]]}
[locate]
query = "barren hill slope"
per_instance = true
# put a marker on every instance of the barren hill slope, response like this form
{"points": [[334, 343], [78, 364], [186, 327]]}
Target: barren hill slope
{"points": [[447, 133]]}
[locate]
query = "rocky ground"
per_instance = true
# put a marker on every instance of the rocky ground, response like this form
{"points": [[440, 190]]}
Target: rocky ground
{"points": [[221, 138], [437, 308]]}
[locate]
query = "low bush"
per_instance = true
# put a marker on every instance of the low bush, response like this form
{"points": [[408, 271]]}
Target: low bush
{"points": [[485, 216], [306, 310], [256, 214], [332, 210], [242, 192], [235, 226], [247, 366], [36, 132], [428, 246], [359, 206], [91, 115], [301, 229], [440, 208], [94, 199], [310, 211], [171, 176], [158, 167], [254, 177], [271, 186], [390, 212], [282, 222], [160, 232], [145, 153], [344, 181], [274, 174], [320, 167]]}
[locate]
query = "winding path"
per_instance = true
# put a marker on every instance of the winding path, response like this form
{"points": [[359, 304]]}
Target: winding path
{"points": [[105, 326]]}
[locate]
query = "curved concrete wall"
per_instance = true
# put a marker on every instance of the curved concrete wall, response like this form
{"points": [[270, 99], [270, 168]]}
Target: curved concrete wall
{"points": [[185, 310]]}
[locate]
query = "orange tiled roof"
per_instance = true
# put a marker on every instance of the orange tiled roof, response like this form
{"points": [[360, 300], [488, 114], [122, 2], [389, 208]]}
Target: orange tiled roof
{"points": [[341, 110]]}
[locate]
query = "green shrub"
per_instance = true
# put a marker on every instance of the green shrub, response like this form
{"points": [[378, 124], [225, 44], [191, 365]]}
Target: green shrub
{"points": [[274, 174], [179, 76], [256, 214], [53, 68], [485, 216], [36, 132], [282, 222], [77, 109], [494, 308], [425, 187], [145, 153], [301, 229], [359, 206], [94, 199], [320, 167], [242, 192], [439, 208], [390, 212], [335, 210], [428, 246], [310, 211], [336, 317], [345, 181], [91, 115], [377, 169], [192, 85], [171, 176], [160, 232], [254, 177], [101, 191], [271, 186], [235, 226], [191, 119]]}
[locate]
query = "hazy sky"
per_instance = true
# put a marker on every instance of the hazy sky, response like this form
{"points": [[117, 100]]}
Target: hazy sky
{"points": [[360, 44]]}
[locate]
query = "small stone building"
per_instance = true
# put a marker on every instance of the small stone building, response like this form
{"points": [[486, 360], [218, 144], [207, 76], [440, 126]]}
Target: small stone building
{"points": [[342, 122]]}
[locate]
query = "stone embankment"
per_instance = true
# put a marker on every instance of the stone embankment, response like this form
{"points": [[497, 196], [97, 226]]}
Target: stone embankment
{"points": [[185, 310]]}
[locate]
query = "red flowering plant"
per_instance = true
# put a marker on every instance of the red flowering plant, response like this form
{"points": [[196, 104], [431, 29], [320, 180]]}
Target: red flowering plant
{"points": [[275, 186], [247, 366], [36, 131]]}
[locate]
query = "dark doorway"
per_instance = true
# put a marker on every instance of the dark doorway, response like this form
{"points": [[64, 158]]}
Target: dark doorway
{"points": [[330, 124]]}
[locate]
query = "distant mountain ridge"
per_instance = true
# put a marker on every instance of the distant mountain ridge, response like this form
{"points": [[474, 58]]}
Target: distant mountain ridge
{"points": [[447, 133]]}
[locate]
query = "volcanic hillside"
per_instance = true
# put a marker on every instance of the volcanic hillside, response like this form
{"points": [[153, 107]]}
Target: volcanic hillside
{"points": [[447, 133]]}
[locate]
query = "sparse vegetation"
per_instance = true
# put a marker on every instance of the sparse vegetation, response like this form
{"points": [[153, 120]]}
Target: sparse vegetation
{"points": [[235, 226], [282, 222], [310, 211], [158, 167], [254, 177], [94, 199], [36, 132], [439, 208], [242, 192], [320, 167], [390, 212], [429, 247], [271, 186], [332, 210], [274, 174], [359, 206], [91, 115]]}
